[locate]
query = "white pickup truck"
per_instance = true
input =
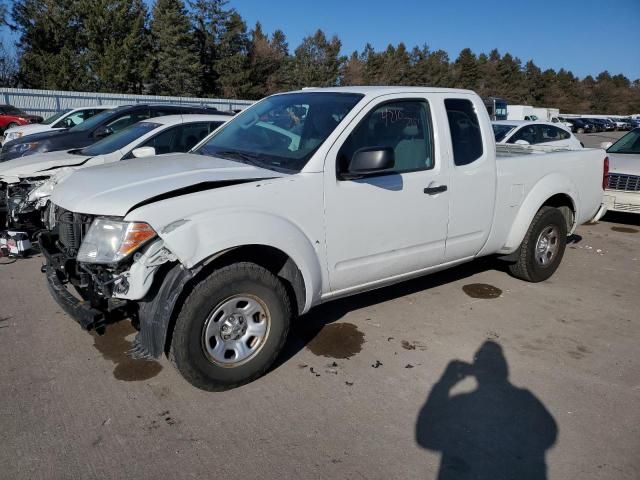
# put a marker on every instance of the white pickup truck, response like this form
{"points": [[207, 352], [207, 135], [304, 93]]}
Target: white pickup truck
{"points": [[303, 198]]}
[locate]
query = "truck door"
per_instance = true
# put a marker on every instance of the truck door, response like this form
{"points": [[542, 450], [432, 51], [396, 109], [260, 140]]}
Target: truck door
{"points": [[382, 226], [472, 187]]}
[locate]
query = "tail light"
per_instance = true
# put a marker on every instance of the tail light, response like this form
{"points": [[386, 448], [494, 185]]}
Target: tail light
{"points": [[605, 173]]}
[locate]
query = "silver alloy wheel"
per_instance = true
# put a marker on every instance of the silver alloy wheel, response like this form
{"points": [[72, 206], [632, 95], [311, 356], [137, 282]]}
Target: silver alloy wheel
{"points": [[547, 245], [236, 330]]}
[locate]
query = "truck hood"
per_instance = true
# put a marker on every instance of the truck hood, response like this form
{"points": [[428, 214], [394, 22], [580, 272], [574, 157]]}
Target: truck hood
{"points": [[117, 188], [30, 128], [624, 163], [38, 165]]}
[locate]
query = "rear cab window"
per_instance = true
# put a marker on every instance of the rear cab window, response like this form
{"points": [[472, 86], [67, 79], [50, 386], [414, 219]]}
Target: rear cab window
{"points": [[464, 127]]}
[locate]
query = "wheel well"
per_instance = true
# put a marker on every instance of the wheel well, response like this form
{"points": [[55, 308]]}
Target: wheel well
{"points": [[563, 203], [271, 258]]}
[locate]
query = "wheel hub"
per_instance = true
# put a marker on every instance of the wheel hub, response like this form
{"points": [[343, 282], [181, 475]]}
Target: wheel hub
{"points": [[236, 330], [233, 327], [547, 245]]}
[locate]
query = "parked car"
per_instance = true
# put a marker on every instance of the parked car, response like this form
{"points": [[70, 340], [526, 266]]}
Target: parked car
{"points": [[623, 185], [214, 251], [601, 125], [596, 127], [92, 130], [29, 181], [580, 126], [61, 120], [11, 116], [534, 133]]}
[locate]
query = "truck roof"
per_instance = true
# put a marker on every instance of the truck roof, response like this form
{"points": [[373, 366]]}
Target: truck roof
{"points": [[384, 90]]}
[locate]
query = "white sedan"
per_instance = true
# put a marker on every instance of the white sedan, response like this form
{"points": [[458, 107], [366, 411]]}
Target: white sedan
{"points": [[64, 119], [523, 132], [29, 181], [622, 192]]}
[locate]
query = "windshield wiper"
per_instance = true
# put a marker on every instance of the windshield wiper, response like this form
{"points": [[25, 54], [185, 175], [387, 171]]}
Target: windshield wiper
{"points": [[236, 155]]}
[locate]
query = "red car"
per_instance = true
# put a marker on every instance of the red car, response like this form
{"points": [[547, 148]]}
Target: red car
{"points": [[11, 116]]}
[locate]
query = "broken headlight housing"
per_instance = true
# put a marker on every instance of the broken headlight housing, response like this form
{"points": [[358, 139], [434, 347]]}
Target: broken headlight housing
{"points": [[108, 240]]}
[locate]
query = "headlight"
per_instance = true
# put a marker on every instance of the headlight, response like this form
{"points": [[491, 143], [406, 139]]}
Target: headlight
{"points": [[8, 136], [25, 147], [109, 241]]}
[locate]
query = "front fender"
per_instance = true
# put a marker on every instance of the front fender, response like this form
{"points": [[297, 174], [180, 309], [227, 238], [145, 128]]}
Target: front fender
{"points": [[543, 190], [202, 236]]}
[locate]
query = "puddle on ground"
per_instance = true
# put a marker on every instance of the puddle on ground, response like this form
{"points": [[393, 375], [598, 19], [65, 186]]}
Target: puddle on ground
{"points": [[338, 340], [624, 230], [113, 346], [481, 290]]}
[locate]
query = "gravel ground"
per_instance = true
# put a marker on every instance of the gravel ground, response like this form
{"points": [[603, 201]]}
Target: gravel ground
{"points": [[364, 390]]}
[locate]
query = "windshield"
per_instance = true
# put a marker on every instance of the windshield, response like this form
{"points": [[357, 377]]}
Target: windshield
{"points": [[630, 143], [501, 131], [281, 132], [118, 140], [11, 110], [55, 117], [93, 121]]}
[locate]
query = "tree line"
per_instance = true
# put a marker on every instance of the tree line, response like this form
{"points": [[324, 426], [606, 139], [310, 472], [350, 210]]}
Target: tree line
{"points": [[204, 48]]}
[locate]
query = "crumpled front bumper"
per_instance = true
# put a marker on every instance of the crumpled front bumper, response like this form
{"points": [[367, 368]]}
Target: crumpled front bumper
{"points": [[81, 311], [88, 317]]}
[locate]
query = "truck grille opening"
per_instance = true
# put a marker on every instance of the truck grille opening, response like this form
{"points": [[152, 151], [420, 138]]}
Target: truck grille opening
{"points": [[72, 227], [627, 183]]}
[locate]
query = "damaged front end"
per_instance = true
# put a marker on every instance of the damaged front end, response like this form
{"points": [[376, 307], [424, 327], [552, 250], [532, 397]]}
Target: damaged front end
{"points": [[111, 265], [24, 202]]}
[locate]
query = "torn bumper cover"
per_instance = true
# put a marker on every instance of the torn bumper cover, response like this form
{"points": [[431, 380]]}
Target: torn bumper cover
{"points": [[87, 316], [154, 313]]}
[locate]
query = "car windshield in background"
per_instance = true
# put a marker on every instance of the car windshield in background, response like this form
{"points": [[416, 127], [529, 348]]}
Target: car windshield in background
{"points": [[14, 111], [55, 117], [281, 132], [118, 140], [93, 121], [630, 143], [501, 131]]}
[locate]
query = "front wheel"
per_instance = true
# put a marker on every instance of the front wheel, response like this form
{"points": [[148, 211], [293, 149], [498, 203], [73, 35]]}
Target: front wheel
{"points": [[231, 327], [580, 130], [543, 246]]}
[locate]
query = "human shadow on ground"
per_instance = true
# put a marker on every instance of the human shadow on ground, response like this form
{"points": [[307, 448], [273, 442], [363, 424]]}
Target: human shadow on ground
{"points": [[497, 431]]}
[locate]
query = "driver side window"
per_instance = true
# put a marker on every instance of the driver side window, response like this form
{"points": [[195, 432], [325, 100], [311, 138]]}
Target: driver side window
{"points": [[404, 126]]}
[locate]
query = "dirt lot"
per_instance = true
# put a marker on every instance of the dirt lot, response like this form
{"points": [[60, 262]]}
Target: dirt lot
{"points": [[349, 399]]}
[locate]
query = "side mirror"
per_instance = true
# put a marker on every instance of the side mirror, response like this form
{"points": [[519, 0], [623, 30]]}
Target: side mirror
{"points": [[144, 152], [521, 142], [370, 161], [605, 145], [102, 132]]}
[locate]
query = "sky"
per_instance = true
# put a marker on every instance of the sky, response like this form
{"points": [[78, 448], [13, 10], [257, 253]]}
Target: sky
{"points": [[584, 36]]}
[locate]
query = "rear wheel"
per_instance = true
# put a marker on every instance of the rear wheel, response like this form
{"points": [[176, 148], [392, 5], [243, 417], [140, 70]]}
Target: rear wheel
{"points": [[231, 327], [11, 125], [543, 246], [580, 130]]}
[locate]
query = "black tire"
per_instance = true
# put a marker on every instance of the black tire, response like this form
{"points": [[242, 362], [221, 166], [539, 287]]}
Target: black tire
{"points": [[11, 125], [187, 352], [580, 130], [527, 267]]}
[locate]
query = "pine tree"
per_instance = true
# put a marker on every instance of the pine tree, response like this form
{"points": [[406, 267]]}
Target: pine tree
{"points": [[175, 67], [317, 61], [353, 71], [266, 59], [51, 44], [232, 66], [117, 44], [208, 18], [466, 70]]}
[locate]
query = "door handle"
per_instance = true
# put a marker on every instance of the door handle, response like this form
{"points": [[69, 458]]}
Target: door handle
{"points": [[435, 190]]}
